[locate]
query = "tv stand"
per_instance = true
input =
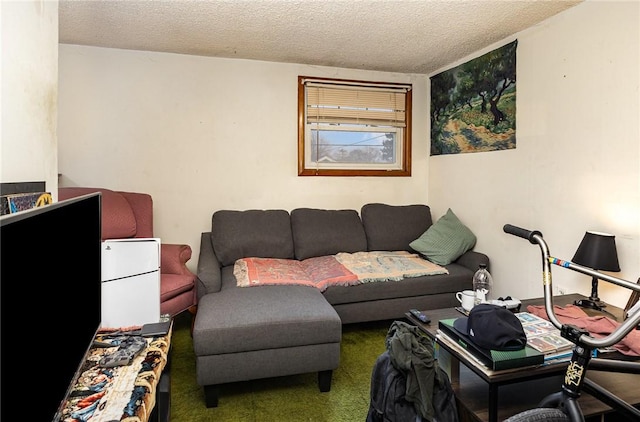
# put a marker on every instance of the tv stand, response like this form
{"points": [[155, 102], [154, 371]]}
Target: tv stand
{"points": [[162, 410], [141, 389]]}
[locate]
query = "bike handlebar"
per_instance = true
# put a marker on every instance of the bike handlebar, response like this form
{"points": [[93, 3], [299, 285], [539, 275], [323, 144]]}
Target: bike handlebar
{"points": [[520, 232], [535, 237]]}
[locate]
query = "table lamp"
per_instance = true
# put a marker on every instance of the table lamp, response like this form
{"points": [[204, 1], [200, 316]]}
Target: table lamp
{"points": [[597, 251]]}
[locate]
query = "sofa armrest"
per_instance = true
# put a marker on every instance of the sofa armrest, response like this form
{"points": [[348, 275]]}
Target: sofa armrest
{"points": [[472, 260], [209, 276], [173, 259]]}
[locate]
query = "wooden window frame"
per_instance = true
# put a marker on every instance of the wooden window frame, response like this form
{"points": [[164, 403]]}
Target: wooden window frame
{"points": [[402, 166]]}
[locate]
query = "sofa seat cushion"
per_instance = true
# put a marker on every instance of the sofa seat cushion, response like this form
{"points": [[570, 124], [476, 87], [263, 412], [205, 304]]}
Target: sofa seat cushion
{"points": [[393, 227], [173, 285], [459, 278], [257, 233], [240, 319], [319, 232]]}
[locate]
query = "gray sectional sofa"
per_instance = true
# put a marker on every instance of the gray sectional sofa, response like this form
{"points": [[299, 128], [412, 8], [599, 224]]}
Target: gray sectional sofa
{"points": [[244, 333]]}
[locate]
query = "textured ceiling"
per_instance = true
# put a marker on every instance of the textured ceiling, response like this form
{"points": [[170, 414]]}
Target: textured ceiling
{"points": [[407, 36]]}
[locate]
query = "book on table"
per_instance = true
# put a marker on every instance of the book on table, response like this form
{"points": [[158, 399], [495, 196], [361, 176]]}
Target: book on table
{"points": [[542, 335], [493, 359]]}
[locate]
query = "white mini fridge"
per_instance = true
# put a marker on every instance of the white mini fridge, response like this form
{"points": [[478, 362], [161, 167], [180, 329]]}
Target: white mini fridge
{"points": [[130, 282]]}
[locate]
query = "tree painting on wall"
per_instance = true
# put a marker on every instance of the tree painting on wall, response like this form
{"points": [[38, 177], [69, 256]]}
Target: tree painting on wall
{"points": [[473, 105]]}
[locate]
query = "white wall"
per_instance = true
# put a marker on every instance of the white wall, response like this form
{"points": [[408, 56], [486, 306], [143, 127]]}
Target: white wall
{"points": [[576, 166], [29, 74], [201, 134]]}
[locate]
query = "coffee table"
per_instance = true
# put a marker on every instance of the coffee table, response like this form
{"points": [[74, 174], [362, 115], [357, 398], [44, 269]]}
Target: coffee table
{"points": [[477, 387]]}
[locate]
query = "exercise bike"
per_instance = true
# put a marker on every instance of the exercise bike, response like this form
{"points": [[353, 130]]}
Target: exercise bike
{"points": [[563, 406]]}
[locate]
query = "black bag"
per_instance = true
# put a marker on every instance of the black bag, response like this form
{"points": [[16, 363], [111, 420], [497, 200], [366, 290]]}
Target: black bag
{"points": [[444, 400], [388, 403], [389, 383]]}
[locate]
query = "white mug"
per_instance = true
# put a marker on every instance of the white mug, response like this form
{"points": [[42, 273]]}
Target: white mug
{"points": [[467, 299]]}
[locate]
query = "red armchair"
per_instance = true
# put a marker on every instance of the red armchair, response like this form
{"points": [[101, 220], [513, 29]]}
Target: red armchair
{"points": [[130, 215]]}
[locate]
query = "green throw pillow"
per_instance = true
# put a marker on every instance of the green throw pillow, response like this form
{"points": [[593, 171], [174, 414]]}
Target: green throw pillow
{"points": [[445, 241]]}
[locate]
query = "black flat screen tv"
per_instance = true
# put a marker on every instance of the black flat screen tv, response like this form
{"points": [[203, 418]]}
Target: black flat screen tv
{"points": [[50, 275]]}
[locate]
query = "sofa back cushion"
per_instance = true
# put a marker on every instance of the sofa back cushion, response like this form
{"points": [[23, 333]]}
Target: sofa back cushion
{"points": [[142, 207], [251, 233], [119, 219], [393, 227], [319, 232]]}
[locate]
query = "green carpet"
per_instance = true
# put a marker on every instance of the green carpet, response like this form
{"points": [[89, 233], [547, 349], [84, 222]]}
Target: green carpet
{"points": [[291, 398]]}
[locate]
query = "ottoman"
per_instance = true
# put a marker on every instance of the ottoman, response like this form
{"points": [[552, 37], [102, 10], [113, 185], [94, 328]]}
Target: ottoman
{"points": [[246, 333]]}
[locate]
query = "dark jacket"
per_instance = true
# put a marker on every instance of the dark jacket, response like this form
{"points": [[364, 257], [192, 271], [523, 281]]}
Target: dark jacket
{"points": [[412, 354]]}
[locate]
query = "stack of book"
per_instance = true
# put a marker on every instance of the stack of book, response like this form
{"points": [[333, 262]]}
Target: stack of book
{"points": [[493, 359], [545, 337]]}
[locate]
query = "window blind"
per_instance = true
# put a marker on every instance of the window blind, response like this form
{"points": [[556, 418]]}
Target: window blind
{"points": [[356, 105]]}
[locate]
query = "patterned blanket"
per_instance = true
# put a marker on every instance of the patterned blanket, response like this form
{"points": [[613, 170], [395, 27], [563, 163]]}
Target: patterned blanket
{"points": [[343, 269], [124, 393]]}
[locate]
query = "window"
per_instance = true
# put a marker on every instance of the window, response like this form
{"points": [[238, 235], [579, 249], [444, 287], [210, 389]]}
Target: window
{"points": [[353, 128]]}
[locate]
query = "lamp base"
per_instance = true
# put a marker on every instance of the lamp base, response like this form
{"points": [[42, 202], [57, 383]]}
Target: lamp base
{"points": [[591, 303]]}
